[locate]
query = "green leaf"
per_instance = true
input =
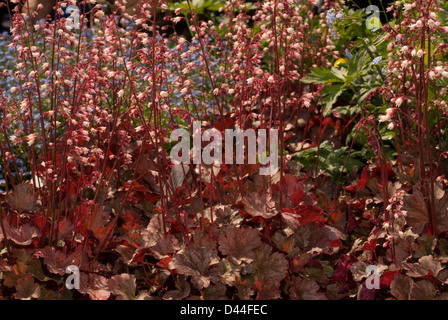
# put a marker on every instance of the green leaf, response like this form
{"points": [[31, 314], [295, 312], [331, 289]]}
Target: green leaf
{"points": [[214, 6], [388, 135], [362, 94], [322, 76], [341, 73], [330, 160], [358, 62], [331, 94]]}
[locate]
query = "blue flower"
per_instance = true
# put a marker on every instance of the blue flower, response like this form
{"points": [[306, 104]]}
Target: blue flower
{"points": [[334, 35], [331, 17], [377, 60], [348, 54]]}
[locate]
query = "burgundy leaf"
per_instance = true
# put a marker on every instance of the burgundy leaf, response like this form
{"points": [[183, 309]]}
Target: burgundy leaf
{"points": [[56, 261], [423, 290], [259, 205], [22, 236], [198, 263], [304, 289], [269, 266], [4, 266], [151, 235], [402, 249], [215, 292], [165, 245], [401, 286], [23, 198], [94, 285], [307, 214], [291, 219], [267, 290], [365, 293], [27, 289], [426, 265], [442, 210], [416, 212], [126, 252], [124, 287], [239, 244], [303, 215], [291, 186], [183, 290], [313, 235], [358, 270]]}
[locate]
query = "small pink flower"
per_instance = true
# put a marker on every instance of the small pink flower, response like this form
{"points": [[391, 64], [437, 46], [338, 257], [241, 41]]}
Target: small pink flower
{"points": [[31, 138], [388, 116], [390, 126], [398, 102], [38, 254]]}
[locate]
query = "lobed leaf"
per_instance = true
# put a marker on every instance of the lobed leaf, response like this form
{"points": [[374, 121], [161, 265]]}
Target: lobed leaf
{"points": [[239, 244], [196, 261]]}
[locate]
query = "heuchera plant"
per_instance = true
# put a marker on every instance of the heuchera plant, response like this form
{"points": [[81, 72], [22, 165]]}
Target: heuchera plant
{"points": [[88, 184]]}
